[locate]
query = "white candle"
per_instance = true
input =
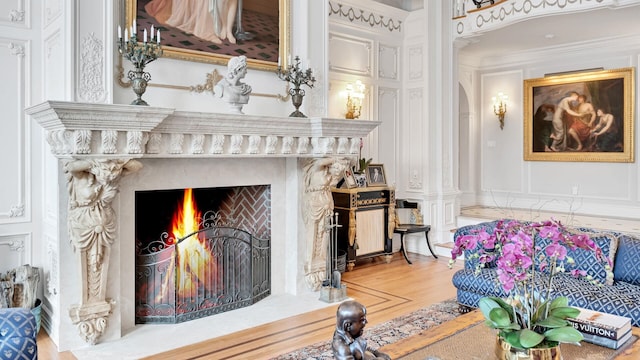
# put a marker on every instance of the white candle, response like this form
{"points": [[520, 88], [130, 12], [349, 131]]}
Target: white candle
{"points": [[126, 35], [119, 32], [308, 64], [144, 35], [151, 33], [134, 27], [158, 37], [278, 61]]}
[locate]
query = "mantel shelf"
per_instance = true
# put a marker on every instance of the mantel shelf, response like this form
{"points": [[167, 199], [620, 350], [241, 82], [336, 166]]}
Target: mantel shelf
{"points": [[108, 130]]}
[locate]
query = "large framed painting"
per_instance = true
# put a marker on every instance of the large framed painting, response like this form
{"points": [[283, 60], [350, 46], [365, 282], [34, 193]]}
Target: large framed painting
{"points": [[583, 116], [213, 31]]}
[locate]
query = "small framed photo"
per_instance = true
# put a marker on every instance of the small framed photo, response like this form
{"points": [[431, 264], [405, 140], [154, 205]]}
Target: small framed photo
{"points": [[350, 180], [375, 175], [361, 179]]}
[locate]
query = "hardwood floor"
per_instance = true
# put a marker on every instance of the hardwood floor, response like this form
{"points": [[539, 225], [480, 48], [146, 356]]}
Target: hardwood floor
{"points": [[387, 290]]}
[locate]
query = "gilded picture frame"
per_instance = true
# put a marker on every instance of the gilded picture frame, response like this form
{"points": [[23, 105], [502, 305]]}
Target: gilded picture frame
{"points": [[582, 116], [176, 45]]}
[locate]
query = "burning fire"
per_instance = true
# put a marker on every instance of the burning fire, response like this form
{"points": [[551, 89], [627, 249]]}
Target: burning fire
{"points": [[192, 256]]}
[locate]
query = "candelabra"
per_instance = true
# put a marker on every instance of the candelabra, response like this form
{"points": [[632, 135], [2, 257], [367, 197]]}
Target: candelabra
{"points": [[296, 76], [140, 54]]}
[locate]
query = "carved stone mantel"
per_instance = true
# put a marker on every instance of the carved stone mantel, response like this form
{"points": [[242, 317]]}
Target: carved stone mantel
{"points": [[99, 144], [81, 130]]}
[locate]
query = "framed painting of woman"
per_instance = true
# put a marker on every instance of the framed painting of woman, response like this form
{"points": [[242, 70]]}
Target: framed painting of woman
{"points": [[213, 31]]}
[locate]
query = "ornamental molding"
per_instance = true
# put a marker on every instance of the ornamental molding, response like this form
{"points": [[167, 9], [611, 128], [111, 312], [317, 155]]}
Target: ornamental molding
{"points": [[363, 17], [85, 130], [504, 13], [91, 87]]}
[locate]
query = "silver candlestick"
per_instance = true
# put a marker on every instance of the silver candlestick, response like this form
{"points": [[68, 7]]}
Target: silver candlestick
{"points": [[296, 76], [140, 54]]}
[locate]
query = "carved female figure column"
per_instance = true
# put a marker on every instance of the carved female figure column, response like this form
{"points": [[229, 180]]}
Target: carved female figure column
{"points": [[319, 175], [92, 186]]}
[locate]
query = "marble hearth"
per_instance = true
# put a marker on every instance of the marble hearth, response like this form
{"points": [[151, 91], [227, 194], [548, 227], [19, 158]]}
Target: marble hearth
{"points": [[116, 150]]}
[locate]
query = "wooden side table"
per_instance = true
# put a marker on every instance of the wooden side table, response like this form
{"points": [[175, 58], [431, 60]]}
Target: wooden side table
{"points": [[412, 229]]}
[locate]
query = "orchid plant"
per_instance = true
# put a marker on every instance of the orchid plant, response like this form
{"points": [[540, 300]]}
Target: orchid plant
{"points": [[530, 317]]}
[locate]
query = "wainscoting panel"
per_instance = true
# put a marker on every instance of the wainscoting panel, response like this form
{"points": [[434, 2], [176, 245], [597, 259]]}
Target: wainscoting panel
{"points": [[14, 14], [414, 132], [388, 62], [13, 137], [415, 62], [350, 55]]}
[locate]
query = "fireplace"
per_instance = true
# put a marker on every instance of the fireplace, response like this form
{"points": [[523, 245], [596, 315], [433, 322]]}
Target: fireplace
{"points": [[129, 149], [200, 252]]}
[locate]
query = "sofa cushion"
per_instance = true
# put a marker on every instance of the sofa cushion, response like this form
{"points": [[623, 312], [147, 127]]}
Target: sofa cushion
{"points": [[17, 334], [627, 267], [587, 260]]}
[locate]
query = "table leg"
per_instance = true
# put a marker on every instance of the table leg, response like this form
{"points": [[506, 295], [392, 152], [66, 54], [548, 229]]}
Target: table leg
{"points": [[404, 251], [426, 236]]}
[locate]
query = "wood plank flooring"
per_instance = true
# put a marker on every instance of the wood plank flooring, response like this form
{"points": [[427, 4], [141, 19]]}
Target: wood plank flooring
{"points": [[387, 290]]}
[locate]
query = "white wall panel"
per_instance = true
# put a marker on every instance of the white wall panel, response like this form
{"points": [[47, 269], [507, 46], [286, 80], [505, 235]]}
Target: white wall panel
{"points": [[388, 62], [415, 135], [388, 104], [14, 250], [52, 11], [502, 166], [350, 55], [13, 138], [14, 13], [415, 61], [54, 67]]}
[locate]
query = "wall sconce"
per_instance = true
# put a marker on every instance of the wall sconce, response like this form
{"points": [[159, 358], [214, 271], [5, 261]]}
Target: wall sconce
{"points": [[500, 107], [355, 94]]}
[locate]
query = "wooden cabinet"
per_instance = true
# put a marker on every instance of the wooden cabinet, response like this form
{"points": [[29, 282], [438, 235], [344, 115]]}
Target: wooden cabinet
{"points": [[367, 218]]}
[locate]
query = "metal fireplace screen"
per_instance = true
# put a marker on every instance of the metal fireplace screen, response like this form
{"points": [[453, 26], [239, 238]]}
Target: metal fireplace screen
{"points": [[209, 269], [229, 269]]}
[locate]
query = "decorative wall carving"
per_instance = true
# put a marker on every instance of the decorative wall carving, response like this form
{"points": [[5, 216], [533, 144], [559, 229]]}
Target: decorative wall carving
{"points": [[92, 186], [362, 17], [73, 129], [507, 12], [91, 86], [317, 207], [16, 15]]}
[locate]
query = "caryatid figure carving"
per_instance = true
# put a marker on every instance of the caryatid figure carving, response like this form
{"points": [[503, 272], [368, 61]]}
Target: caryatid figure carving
{"points": [[92, 186]]}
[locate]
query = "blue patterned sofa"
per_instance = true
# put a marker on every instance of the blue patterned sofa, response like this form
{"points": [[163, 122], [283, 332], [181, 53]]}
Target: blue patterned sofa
{"points": [[17, 334], [620, 295]]}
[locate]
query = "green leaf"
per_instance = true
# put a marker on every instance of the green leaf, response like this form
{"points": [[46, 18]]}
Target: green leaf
{"points": [[565, 334], [560, 301], [500, 317], [503, 304], [529, 338], [486, 305], [513, 338], [552, 322], [564, 312]]}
